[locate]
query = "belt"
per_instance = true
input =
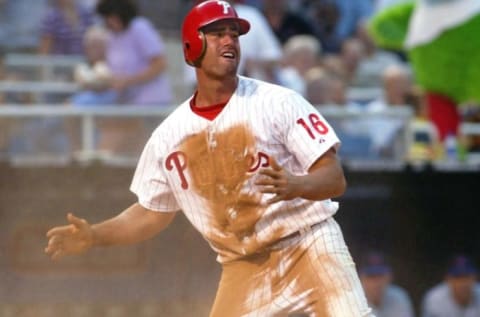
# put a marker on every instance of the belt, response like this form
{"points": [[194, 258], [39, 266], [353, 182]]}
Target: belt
{"points": [[293, 237]]}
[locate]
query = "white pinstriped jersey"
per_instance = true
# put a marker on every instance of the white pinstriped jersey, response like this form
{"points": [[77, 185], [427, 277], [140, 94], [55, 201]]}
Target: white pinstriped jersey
{"points": [[207, 168]]}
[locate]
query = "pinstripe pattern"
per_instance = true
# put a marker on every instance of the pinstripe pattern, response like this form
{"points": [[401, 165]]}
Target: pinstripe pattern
{"points": [[314, 275], [208, 169]]}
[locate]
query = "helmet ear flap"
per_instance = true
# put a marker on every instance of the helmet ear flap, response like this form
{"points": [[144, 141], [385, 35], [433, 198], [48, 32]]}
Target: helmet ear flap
{"points": [[203, 39], [195, 49]]}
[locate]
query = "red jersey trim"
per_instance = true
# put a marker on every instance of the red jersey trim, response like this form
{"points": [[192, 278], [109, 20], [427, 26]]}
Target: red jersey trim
{"points": [[209, 112]]}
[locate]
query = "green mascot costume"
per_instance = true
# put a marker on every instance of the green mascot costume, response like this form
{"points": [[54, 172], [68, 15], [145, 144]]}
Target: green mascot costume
{"points": [[442, 42]]}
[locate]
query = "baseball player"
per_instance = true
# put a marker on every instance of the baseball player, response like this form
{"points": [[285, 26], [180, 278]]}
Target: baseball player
{"points": [[253, 167]]}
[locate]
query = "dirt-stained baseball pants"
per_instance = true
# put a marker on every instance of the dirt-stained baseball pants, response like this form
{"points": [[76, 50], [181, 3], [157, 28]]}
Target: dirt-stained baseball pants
{"points": [[311, 273]]}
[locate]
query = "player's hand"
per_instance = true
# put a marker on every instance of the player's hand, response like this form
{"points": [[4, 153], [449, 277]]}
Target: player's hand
{"points": [[75, 238], [278, 181]]}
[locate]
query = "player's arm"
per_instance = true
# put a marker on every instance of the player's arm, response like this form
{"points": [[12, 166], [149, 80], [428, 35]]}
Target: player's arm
{"points": [[134, 224], [325, 179]]}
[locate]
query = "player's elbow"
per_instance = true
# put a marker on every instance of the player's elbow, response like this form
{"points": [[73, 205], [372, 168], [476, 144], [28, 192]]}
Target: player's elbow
{"points": [[341, 185]]}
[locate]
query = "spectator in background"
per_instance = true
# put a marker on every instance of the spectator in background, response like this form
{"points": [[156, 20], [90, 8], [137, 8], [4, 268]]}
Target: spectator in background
{"points": [[326, 15], [397, 84], [385, 131], [385, 298], [338, 91], [90, 4], [136, 58], [254, 3], [458, 295], [261, 51], [351, 15], [135, 55], [337, 20], [328, 90], [17, 32], [333, 64], [374, 62], [352, 54], [94, 75], [284, 22], [63, 27], [300, 54], [317, 87]]}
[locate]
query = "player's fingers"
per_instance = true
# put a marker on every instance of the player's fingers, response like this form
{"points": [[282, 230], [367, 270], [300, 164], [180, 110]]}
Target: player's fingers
{"points": [[270, 190], [57, 255], [59, 231], [55, 240], [270, 173], [274, 164], [264, 181], [275, 199], [50, 249], [77, 222], [53, 245]]}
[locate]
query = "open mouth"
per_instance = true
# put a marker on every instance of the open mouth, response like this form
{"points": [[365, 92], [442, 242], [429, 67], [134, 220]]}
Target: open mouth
{"points": [[229, 55]]}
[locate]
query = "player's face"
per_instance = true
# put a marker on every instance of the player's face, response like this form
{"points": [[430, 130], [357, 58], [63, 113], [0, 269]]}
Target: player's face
{"points": [[223, 50]]}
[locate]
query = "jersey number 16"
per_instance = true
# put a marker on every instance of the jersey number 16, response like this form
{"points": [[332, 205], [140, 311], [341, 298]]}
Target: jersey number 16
{"points": [[313, 125]]}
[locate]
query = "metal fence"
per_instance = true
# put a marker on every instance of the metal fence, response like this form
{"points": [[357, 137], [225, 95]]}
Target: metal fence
{"points": [[42, 125]]}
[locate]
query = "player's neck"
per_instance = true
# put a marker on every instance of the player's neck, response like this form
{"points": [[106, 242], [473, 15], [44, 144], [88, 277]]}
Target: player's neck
{"points": [[215, 92]]}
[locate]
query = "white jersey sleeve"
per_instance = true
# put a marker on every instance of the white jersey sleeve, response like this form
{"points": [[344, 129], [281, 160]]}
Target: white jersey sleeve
{"points": [[304, 131], [150, 182]]}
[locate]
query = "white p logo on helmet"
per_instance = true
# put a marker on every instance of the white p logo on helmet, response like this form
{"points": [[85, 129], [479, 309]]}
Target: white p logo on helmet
{"points": [[225, 6]]}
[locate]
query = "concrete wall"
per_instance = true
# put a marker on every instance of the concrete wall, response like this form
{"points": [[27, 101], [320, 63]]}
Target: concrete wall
{"points": [[173, 274], [418, 218]]}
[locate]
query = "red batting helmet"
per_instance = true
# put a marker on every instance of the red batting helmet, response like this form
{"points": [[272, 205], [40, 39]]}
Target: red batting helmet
{"points": [[201, 15]]}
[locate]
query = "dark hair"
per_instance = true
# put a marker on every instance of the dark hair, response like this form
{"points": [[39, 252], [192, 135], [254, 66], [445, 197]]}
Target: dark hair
{"points": [[126, 10]]}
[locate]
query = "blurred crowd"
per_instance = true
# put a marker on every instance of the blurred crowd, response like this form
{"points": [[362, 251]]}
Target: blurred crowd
{"points": [[321, 49], [456, 295]]}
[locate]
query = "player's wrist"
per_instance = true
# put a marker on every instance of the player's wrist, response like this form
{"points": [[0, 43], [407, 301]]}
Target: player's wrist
{"points": [[94, 239], [300, 186]]}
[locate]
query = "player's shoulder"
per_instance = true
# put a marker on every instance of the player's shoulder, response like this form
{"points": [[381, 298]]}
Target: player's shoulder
{"points": [[176, 116], [250, 87]]}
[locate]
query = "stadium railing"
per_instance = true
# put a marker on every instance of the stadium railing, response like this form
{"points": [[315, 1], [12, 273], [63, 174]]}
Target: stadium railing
{"points": [[14, 118], [47, 65], [90, 117]]}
